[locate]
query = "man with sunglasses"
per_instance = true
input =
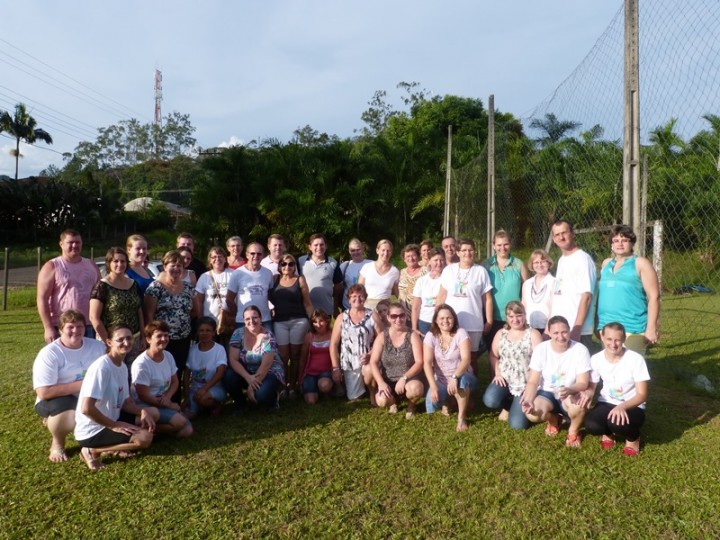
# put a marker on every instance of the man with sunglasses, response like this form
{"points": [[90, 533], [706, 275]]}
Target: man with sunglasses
{"points": [[249, 286]]}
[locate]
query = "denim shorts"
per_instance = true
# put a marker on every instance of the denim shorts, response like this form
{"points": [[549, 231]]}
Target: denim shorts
{"points": [[310, 382], [557, 406]]}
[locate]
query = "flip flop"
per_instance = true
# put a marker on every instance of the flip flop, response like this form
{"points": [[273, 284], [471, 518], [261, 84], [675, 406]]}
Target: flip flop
{"points": [[551, 430], [607, 444], [462, 425], [92, 463], [57, 455], [573, 440]]}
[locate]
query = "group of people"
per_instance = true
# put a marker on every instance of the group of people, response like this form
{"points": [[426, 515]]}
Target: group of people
{"points": [[132, 354]]}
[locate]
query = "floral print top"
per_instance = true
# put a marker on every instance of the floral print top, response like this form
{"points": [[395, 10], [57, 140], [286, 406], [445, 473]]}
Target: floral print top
{"points": [[174, 309]]}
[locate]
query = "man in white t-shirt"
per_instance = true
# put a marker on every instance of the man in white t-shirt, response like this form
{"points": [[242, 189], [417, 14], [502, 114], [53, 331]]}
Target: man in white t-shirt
{"points": [[575, 280], [351, 269], [249, 286], [465, 286]]}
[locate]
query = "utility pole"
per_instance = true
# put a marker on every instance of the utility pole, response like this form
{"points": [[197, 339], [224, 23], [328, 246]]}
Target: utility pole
{"points": [[490, 175], [448, 178], [157, 123], [631, 135]]}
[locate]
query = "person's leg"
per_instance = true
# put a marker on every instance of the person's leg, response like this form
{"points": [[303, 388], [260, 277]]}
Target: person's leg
{"points": [[370, 385], [60, 426], [495, 396], [310, 389], [630, 432], [267, 394], [636, 342], [282, 338], [298, 330], [235, 385], [111, 442], [179, 348], [173, 423], [325, 384], [384, 401], [466, 385], [543, 407], [516, 417], [432, 406], [414, 391], [577, 416]]}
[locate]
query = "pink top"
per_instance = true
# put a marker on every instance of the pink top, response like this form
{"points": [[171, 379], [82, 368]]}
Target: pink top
{"points": [[318, 358], [446, 362], [72, 287]]}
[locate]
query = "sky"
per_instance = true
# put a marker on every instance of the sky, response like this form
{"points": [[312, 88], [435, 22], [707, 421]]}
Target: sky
{"points": [[254, 70]]}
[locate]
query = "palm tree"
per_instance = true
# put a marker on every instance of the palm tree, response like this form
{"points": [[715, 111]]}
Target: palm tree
{"points": [[553, 128], [22, 126]]}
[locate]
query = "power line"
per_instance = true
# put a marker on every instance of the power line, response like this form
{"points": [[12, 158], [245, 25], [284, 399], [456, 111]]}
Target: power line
{"points": [[140, 115], [32, 144], [66, 125]]}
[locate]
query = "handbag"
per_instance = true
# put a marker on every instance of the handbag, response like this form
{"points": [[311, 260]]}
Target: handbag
{"points": [[225, 320]]}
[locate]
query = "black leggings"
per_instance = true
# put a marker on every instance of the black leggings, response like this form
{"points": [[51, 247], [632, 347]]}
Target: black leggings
{"points": [[597, 422]]}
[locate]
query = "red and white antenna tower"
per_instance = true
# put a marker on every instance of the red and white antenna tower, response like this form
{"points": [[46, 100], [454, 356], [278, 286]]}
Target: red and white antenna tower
{"points": [[158, 97]]}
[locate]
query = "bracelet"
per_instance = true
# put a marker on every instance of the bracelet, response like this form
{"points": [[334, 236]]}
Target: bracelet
{"points": [[336, 369]]}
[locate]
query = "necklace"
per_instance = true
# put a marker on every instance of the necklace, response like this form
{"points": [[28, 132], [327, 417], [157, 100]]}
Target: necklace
{"points": [[444, 347], [535, 295]]}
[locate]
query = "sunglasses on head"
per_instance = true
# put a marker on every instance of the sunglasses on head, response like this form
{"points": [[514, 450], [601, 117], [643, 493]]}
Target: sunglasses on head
{"points": [[286, 263]]}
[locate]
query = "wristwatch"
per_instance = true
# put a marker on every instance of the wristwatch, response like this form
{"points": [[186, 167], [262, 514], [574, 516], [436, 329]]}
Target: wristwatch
{"points": [[455, 377]]}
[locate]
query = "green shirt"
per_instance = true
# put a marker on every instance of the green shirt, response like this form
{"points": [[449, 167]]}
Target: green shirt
{"points": [[506, 284]]}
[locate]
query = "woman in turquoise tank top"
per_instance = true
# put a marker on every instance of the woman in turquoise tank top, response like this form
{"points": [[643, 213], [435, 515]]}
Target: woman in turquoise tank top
{"points": [[629, 292]]}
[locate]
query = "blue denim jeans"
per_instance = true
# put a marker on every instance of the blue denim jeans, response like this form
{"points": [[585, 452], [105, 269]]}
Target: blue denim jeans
{"points": [[468, 380], [266, 395], [499, 397]]}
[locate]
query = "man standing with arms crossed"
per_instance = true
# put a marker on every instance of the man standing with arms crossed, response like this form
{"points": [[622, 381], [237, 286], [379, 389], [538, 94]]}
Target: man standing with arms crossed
{"points": [[576, 277], [65, 282], [276, 249]]}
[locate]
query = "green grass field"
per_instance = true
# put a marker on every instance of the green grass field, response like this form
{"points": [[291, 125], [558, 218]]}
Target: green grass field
{"points": [[342, 470]]}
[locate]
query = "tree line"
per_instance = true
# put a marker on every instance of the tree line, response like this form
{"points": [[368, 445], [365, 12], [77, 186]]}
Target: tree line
{"points": [[386, 181]]}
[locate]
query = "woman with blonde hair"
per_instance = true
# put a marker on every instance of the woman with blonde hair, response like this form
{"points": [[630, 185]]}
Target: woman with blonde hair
{"points": [[380, 278], [537, 292]]}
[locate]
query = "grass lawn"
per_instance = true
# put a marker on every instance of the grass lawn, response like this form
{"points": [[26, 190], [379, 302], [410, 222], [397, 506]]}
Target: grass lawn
{"points": [[342, 470]]}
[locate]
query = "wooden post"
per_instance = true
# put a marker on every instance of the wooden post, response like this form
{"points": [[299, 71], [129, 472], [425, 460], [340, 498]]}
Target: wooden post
{"points": [[490, 176], [6, 278], [39, 258], [448, 177], [631, 135]]}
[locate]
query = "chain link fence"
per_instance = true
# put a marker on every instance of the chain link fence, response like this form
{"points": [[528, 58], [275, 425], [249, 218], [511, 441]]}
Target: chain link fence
{"points": [[572, 167]]}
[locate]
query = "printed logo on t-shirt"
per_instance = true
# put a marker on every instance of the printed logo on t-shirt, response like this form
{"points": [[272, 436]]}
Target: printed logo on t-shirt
{"points": [[557, 379], [429, 301], [616, 393], [460, 290], [119, 399], [558, 286], [199, 374]]}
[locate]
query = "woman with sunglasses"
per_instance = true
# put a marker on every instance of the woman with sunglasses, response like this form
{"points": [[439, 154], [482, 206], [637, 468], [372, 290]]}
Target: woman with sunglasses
{"points": [[291, 297], [396, 362]]}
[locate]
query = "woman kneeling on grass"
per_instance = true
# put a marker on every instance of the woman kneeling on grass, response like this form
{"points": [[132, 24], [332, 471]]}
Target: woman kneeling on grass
{"points": [[446, 355], [108, 421], [396, 362], [204, 373], [155, 381], [509, 359], [255, 364], [58, 373], [620, 410], [315, 362], [563, 366]]}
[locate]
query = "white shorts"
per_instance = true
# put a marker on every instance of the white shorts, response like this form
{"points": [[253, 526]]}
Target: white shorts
{"points": [[291, 332], [354, 384], [476, 340]]}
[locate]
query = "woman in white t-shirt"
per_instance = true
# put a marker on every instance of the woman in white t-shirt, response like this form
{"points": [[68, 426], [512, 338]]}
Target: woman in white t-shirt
{"points": [[108, 421], [58, 372], [426, 291], [205, 369], [155, 381], [620, 410], [559, 371], [380, 278]]}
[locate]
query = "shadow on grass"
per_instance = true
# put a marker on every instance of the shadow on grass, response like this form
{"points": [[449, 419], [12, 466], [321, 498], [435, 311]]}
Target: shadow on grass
{"points": [[257, 424]]}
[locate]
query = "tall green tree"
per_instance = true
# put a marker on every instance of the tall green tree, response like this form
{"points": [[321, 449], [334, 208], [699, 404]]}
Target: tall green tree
{"points": [[22, 126]]}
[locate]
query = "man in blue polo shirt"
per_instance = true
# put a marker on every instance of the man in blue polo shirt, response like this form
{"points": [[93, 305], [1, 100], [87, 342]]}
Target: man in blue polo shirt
{"points": [[322, 274]]}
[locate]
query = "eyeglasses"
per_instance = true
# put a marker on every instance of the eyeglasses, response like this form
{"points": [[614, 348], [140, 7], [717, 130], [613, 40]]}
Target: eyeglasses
{"points": [[287, 263], [394, 316], [254, 254], [123, 339]]}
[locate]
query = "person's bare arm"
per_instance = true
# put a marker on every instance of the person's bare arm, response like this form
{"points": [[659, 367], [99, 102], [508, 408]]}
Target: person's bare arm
{"points": [[45, 286], [651, 285], [58, 390], [149, 307], [582, 313], [441, 296], [96, 309]]}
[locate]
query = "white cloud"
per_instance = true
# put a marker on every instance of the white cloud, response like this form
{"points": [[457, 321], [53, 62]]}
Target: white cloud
{"points": [[234, 141]]}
